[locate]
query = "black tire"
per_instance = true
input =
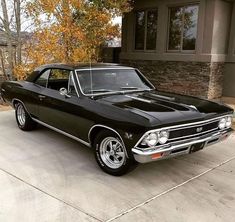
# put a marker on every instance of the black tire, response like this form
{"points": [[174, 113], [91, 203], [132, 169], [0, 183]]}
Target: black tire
{"points": [[128, 163], [25, 124]]}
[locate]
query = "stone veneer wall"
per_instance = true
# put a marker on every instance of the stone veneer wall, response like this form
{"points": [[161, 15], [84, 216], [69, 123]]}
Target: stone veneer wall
{"points": [[201, 79], [216, 80]]}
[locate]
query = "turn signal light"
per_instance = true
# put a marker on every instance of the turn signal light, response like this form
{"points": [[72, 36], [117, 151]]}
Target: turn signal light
{"points": [[156, 156]]}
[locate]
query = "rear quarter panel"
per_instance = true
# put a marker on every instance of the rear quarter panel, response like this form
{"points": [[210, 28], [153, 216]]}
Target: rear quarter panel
{"points": [[16, 90]]}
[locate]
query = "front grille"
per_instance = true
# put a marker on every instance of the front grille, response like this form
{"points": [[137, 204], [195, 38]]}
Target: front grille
{"points": [[193, 131]]}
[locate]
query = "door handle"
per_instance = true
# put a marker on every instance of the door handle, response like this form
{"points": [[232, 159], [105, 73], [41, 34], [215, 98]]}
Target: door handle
{"points": [[41, 97]]}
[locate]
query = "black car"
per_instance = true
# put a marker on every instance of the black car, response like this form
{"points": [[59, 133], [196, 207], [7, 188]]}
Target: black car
{"points": [[118, 112]]}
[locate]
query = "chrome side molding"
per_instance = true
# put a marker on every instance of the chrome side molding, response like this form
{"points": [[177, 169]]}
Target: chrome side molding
{"points": [[62, 132]]}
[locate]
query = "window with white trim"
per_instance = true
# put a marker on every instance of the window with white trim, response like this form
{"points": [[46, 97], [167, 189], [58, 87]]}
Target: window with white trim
{"points": [[146, 29], [182, 31]]}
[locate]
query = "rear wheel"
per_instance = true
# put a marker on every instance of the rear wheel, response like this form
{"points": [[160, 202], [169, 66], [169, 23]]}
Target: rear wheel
{"points": [[23, 119], [110, 154]]}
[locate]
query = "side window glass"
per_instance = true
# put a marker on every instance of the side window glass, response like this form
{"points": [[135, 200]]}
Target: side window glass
{"points": [[43, 78], [58, 79]]}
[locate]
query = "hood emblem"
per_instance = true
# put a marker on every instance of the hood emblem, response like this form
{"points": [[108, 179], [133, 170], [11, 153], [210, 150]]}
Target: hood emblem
{"points": [[128, 135], [199, 129]]}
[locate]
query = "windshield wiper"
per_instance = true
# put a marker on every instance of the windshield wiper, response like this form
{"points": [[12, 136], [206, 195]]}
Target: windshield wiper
{"points": [[100, 90], [129, 87]]}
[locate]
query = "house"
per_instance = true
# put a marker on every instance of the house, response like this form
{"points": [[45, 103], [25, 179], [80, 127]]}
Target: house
{"points": [[183, 46], [4, 64], [3, 54]]}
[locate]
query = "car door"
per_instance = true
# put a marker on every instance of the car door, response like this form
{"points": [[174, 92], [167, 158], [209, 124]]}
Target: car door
{"points": [[62, 112], [32, 99]]}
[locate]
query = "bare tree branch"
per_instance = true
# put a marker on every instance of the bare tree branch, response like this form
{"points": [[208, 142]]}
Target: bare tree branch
{"points": [[8, 33], [17, 10]]}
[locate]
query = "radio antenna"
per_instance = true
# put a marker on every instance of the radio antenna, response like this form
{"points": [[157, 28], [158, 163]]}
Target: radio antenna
{"points": [[91, 78]]}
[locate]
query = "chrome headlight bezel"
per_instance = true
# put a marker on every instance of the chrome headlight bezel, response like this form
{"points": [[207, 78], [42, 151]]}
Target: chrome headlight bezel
{"points": [[225, 122], [154, 138], [229, 121], [150, 140], [163, 137], [222, 123]]}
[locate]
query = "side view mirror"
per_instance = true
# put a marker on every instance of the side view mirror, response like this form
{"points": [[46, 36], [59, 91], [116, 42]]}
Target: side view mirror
{"points": [[64, 92]]}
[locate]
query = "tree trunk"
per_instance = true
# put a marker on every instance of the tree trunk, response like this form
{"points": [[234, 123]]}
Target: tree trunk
{"points": [[6, 24], [18, 31], [3, 65]]}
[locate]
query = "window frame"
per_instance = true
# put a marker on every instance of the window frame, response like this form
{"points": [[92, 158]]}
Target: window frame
{"points": [[71, 78], [181, 50], [51, 72], [146, 10], [40, 74], [114, 92]]}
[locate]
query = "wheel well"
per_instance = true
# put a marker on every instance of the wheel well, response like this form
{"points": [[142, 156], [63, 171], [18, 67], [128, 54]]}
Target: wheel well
{"points": [[94, 131], [15, 102], [97, 129]]}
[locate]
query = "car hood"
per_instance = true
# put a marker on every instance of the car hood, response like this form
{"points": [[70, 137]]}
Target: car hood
{"points": [[166, 108]]}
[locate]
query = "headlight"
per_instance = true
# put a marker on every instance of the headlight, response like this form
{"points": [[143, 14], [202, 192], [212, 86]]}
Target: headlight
{"points": [[228, 122], [163, 137], [222, 123], [151, 139]]}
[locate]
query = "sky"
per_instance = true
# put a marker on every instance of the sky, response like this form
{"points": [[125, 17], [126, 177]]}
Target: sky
{"points": [[117, 20], [26, 26], [27, 23]]}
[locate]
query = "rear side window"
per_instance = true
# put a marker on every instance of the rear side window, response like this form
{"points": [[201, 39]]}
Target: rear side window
{"points": [[59, 78], [43, 78], [59, 74]]}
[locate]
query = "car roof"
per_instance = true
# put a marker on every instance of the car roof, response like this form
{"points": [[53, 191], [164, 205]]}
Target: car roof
{"points": [[81, 66], [34, 75]]}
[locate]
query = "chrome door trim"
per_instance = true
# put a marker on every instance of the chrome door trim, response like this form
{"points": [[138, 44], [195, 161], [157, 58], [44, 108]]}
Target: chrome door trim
{"points": [[51, 127], [62, 132]]}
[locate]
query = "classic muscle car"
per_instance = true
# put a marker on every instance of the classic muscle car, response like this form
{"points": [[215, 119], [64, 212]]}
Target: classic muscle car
{"points": [[115, 110]]}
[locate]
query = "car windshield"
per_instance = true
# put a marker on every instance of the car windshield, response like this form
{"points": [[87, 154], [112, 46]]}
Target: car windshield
{"points": [[98, 81]]}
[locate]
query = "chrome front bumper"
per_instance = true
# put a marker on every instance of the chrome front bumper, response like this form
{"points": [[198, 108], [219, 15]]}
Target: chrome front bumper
{"points": [[178, 148]]}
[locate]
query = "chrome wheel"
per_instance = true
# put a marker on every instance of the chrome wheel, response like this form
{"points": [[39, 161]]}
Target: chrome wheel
{"points": [[21, 117], [112, 152]]}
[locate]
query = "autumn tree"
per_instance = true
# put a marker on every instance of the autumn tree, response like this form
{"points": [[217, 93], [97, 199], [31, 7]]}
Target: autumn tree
{"points": [[70, 30]]}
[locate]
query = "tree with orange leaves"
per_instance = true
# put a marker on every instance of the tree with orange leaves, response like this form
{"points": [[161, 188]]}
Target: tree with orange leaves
{"points": [[70, 30]]}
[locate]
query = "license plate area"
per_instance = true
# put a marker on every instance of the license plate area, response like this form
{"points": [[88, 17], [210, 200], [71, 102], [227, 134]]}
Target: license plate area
{"points": [[196, 147]]}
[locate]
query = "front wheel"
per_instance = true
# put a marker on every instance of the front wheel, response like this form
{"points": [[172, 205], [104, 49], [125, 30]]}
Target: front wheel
{"points": [[23, 119], [110, 154]]}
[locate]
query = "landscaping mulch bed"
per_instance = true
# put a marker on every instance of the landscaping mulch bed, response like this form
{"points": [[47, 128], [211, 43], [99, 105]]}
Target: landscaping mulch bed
{"points": [[4, 107]]}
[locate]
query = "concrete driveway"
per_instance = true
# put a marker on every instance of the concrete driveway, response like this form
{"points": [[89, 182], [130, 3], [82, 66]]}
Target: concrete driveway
{"points": [[45, 176]]}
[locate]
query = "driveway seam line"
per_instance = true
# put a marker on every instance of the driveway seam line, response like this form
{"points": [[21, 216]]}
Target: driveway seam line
{"points": [[52, 196], [168, 191]]}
